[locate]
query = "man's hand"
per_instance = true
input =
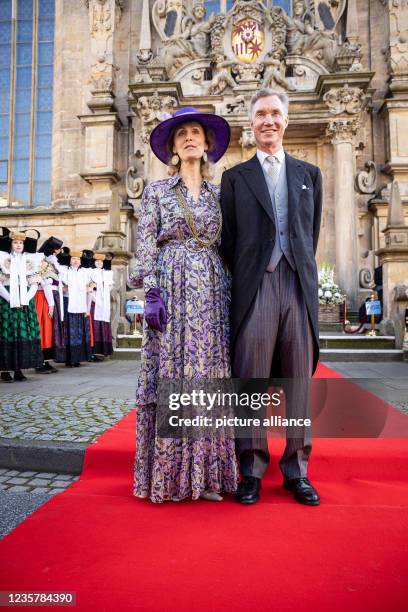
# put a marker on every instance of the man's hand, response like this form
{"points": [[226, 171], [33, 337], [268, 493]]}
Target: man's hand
{"points": [[50, 311]]}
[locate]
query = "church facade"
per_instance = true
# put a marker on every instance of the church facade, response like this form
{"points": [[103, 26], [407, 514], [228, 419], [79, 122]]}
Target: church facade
{"points": [[84, 82]]}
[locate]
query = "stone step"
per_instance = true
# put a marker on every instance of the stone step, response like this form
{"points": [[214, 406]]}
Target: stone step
{"points": [[345, 341], [352, 354], [126, 353], [129, 341]]}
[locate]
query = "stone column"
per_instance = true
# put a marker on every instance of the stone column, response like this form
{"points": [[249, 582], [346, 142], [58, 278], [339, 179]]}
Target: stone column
{"points": [[102, 124], [394, 260], [395, 109], [342, 132]]}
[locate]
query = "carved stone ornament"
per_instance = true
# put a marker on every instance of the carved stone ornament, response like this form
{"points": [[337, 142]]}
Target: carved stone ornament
{"points": [[190, 42], [348, 58], [238, 107], [305, 39], [367, 179], [329, 13], [366, 278], [103, 15], [167, 17], [346, 99], [102, 76], [247, 140], [398, 49], [342, 130], [151, 110], [134, 184]]}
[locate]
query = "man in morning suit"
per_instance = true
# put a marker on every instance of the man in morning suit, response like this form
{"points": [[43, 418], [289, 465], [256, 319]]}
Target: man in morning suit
{"points": [[271, 208]]}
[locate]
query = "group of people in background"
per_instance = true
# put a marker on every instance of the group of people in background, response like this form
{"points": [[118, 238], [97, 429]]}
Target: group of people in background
{"points": [[54, 304]]}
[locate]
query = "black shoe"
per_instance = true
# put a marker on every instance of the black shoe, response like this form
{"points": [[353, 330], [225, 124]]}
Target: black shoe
{"points": [[43, 369], [19, 376], [95, 358], [248, 490], [77, 365], [68, 365], [303, 491], [6, 377], [50, 368]]}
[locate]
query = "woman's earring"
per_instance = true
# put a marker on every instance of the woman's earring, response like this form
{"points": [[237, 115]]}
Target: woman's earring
{"points": [[175, 160], [205, 157]]}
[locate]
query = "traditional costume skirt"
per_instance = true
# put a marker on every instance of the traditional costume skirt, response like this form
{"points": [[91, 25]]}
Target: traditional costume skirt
{"points": [[102, 335], [58, 331], [77, 336], [20, 345], [41, 306]]}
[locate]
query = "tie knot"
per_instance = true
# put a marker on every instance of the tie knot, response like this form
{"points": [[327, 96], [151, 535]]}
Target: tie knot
{"points": [[272, 159]]}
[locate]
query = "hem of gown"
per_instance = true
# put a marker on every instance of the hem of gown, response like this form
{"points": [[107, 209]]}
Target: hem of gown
{"points": [[188, 496]]}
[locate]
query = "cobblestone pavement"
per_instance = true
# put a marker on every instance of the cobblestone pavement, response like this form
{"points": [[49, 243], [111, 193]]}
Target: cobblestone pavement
{"points": [[63, 419], [21, 493], [34, 482]]}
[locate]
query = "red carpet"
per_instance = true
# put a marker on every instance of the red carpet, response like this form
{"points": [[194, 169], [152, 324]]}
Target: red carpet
{"points": [[120, 553]]}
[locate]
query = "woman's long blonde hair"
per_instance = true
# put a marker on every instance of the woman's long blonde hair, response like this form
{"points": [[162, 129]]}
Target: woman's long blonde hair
{"points": [[207, 168]]}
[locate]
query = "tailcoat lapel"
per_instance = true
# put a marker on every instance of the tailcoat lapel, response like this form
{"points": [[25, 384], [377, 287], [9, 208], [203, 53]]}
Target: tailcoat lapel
{"points": [[295, 172], [255, 179]]}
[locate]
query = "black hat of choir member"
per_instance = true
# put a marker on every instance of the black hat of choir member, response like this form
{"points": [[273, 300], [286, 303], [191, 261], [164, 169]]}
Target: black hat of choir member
{"points": [[107, 263], [50, 245], [5, 242], [64, 257], [30, 243], [87, 258]]}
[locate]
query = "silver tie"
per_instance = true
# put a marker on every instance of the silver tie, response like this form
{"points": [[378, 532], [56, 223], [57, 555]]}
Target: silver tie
{"points": [[273, 168]]}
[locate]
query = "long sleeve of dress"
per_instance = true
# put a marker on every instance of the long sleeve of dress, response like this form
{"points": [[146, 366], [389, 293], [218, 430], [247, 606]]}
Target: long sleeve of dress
{"points": [[46, 285], [146, 241], [4, 293], [32, 291]]}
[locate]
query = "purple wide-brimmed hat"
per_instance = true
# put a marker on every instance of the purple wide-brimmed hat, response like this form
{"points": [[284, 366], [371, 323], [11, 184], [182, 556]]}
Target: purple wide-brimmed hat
{"points": [[160, 135]]}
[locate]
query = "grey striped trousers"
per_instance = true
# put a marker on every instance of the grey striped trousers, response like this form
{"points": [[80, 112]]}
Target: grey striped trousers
{"points": [[276, 341]]}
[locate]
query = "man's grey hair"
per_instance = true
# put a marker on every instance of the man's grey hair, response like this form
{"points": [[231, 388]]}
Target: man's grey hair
{"points": [[265, 92]]}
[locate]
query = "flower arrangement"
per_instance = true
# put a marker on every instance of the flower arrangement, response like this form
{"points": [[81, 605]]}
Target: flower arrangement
{"points": [[329, 292]]}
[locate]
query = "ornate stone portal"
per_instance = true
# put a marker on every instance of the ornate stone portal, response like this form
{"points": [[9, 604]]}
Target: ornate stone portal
{"points": [[217, 64]]}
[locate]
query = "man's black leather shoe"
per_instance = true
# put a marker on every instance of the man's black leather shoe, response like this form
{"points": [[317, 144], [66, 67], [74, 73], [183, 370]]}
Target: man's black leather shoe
{"points": [[248, 490], [7, 377], [303, 491], [19, 376]]}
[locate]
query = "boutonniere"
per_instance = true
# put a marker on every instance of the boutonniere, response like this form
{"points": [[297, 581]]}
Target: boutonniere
{"points": [[305, 187]]}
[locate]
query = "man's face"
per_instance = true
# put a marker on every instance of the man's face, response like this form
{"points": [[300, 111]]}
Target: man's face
{"points": [[269, 122]]}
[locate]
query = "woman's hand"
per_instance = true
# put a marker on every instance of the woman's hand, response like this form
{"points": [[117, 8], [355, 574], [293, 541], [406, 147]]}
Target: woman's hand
{"points": [[155, 310], [50, 311]]}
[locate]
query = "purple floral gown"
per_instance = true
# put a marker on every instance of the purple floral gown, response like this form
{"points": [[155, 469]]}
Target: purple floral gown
{"points": [[194, 344]]}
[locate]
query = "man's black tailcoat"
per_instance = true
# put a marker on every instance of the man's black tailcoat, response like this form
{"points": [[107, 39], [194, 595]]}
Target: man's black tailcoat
{"points": [[249, 234]]}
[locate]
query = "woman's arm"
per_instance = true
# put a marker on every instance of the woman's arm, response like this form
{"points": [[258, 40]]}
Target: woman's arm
{"points": [[146, 241]]}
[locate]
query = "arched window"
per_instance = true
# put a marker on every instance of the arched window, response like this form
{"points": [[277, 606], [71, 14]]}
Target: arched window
{"points": [[26, 90]]}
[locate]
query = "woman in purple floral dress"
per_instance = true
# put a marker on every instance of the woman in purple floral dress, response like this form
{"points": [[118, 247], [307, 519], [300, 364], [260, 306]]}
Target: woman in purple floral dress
{"points": [[186, 310]]}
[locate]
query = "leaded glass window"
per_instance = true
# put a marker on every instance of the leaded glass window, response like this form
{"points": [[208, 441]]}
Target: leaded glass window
{"points": [[26, 92]]}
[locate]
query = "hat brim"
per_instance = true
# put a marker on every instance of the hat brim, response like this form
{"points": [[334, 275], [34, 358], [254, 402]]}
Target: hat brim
{"points": [[219, 126]]}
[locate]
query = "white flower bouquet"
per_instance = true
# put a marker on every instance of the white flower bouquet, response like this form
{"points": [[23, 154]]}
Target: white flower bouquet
{"points": [[329, 292]]}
